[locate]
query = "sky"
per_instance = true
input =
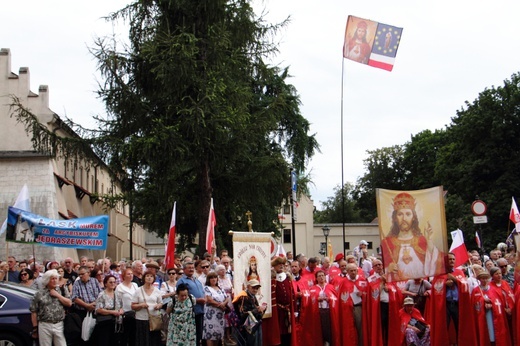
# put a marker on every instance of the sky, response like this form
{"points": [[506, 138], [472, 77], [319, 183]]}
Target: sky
{"points": [[449, 53]]}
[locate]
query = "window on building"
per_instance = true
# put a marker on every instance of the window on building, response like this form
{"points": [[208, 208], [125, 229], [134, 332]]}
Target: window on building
{"points": [[370, 245], [347, 245], [286, 209], [287, 235]]}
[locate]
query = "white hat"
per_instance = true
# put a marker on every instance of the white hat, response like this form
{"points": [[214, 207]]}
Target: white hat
{"points": [[363, 242]]}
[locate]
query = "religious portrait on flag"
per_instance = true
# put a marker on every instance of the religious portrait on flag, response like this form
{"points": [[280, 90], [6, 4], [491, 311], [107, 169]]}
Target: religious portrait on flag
{"points": [[252, 260], [359, 38], [412, 227], [371, 43]]}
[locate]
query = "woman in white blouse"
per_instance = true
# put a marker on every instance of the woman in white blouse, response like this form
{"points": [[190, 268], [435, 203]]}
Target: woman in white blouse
{"points": [[126, 289], [147, 301]]}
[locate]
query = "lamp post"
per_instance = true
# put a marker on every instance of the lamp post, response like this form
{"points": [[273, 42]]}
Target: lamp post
{"points": [[326, 232]]}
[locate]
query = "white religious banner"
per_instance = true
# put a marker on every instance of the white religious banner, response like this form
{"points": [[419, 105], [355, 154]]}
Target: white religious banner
{"points": [[252, 260], [412, 226]]}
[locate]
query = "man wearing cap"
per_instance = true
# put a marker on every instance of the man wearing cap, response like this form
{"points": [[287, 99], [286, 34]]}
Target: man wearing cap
{"points": [[243, 303], [334, 268], [153, 267], [361, 253], [284, 300], [413, 326], [407, 253]]}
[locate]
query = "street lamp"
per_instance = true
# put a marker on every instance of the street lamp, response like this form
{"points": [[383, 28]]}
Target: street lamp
{"points": [[326, 232]]}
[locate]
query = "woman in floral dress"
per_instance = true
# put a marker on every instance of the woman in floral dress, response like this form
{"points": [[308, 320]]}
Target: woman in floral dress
{"points": [[181, 330], [216, 303]]}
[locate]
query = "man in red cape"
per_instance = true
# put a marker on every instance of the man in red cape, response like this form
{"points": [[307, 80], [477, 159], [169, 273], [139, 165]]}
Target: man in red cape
{"points": [[299, 289], [334, 268], [352, 295], [383, 304], [450, 294], [311, 323], [309, 272]]}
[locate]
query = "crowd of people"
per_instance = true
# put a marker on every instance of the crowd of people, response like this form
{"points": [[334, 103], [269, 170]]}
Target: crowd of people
{"points": [[315, 301]]}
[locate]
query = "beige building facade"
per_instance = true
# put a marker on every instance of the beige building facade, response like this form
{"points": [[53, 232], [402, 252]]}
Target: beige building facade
{"points": [[59, 188]]}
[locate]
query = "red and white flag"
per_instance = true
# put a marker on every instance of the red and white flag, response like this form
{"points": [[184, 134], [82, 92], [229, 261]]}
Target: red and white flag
{"points": [[210, 231], [169, 257], [459, 248], [477, 240], [514, 215], [280, 251]]}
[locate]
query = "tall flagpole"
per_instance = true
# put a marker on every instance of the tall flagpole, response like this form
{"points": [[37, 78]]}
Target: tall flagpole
{"points": [[342, 170]]}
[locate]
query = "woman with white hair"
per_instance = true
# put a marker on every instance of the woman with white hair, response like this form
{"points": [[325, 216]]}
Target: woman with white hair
{"points": [[47, 311]]}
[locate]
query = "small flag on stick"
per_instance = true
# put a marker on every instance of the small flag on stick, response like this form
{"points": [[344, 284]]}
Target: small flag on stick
{"points": [[371, 43], [459, 248], [210, 231], [169, 258]]}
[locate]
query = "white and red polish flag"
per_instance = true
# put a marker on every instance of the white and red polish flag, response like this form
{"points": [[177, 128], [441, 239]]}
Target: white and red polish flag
{"points": [[514, 215], [459, 248], [210, 231], [169, 257]]}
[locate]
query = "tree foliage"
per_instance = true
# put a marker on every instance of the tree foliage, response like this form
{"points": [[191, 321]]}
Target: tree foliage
{"points": [[195, 112], [333, 210], [199, 114], [477, 155]]}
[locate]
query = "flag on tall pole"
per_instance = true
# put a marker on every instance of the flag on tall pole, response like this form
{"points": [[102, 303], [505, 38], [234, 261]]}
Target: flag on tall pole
{"points": [[371, 43], [459, 248], [169, 257], [210, 231], [22, 202]]}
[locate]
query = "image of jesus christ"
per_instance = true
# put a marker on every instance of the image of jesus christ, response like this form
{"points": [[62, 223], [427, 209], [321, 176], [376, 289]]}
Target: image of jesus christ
{"points": [[409, 253]]}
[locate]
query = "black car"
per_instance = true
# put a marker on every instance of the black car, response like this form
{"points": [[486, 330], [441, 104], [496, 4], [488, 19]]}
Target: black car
{"points": [[15, 317]]}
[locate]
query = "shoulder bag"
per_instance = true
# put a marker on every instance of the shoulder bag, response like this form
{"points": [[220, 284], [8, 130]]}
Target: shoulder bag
{"points": [[154, 321]]}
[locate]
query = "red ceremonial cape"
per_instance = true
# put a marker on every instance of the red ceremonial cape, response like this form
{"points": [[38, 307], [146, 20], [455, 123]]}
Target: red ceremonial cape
{"points": [[516, 317], [333, 272], [346, 310], [436, 312], [309, 320], [308, 278], [270, 328], [500, 325], [404, 319], [373, 313], [299, 287], [334, 315]]}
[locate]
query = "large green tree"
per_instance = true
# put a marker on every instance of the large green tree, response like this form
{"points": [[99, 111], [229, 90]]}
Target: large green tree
{"points": [[195, 112]]}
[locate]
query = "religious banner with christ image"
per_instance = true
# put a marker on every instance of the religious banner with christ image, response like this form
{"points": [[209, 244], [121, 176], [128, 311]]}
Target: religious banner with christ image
{"points": [[252, 260], [412, 227], [371, 43]]}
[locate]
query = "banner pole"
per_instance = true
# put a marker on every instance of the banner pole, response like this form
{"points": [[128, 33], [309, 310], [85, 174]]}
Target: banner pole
{"points": [[7, 260], [342, 158]]}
